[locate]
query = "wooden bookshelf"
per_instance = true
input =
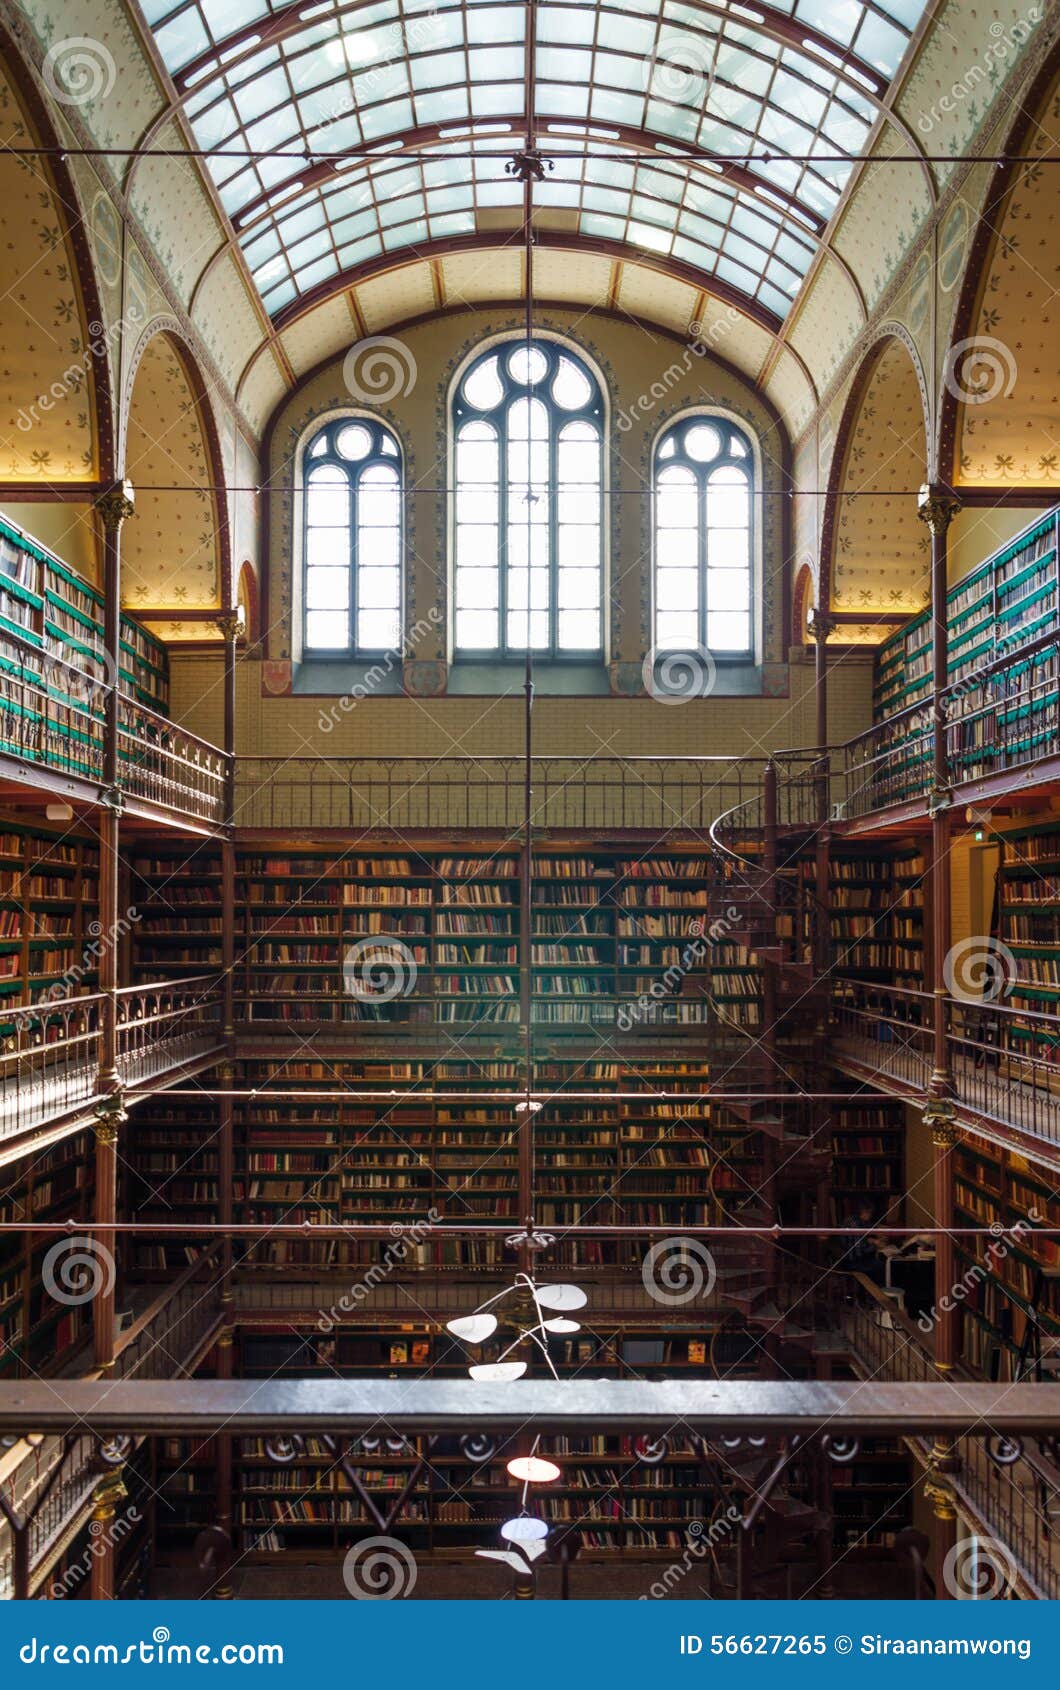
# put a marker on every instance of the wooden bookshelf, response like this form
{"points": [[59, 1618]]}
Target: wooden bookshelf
{"points": [[175, 888], [1006, 609], [52, 1185], [868, 1159], [48, 610], [612, 1162], [1028, 909], [49, 893], [609, 930], [1008, 602], [1007, 1281], [876, 917]]}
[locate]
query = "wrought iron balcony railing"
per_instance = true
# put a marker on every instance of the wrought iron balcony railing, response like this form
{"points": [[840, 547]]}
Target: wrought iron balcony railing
{"points": [[1008, 1485], [1005, 1061], [50, 1051], [410, 793], [52, 716]]}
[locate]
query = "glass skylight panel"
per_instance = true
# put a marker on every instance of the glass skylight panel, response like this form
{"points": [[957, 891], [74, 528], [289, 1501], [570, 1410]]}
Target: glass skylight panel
{"points": [[346, 78], [182, 39]]}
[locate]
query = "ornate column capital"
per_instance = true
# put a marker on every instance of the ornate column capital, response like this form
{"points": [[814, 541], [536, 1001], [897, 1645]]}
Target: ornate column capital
{"points": [[937, 506], [941, 1497], [231, 624], [819, 624], [116, 505], [110, 1118], [939, 1115], [107, 1496]]}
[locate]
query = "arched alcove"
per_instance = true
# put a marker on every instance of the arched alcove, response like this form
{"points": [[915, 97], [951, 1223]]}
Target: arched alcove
{"points": [[875, 553], [55, 413], [174, 552], [1000, 398]]}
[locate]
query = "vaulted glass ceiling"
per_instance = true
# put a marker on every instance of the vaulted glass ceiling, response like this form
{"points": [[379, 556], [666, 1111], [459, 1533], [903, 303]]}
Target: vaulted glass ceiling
{"points": [[790, 90]]}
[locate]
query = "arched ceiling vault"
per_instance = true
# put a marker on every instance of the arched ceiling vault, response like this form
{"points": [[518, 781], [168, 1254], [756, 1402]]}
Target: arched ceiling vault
{"points": [[426, 100]]}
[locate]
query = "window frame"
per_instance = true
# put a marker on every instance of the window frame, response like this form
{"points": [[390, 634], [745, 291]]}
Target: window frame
{"points": [[596, 413], [750, 463], [331, 426]]}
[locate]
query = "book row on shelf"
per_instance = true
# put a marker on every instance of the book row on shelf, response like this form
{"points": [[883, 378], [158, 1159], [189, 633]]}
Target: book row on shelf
{"points": [[48, 612], [620, 1161], [1006, 603], [49, 890], [48, 1186], [604, 928]]}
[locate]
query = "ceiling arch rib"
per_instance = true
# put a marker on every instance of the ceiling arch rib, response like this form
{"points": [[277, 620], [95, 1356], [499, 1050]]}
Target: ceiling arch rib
{"points": [[796, 87]]}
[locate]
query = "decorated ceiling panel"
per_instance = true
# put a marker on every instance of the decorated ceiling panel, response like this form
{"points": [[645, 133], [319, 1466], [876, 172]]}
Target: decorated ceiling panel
{"points": [[319, 334], [471, 277], [892, 203], [405, 293], [1004, 371], [48, 403], [261, 389], [170, 547], [431, 97], [881, 552]]}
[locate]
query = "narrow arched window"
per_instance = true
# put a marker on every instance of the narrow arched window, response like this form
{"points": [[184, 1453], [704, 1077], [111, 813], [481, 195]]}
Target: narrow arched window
{"points": [[703, 538], [528, 535], [353, 540]]}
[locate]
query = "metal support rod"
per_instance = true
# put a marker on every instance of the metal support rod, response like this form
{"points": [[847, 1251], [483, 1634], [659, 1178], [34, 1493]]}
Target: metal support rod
{"points": [[936, 508], [108, 1125], [486, 1229]]}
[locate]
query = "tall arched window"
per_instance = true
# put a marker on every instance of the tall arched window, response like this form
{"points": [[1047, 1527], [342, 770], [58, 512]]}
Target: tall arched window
{"points": [[352, 481], [704, 539], [528, 539]]}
